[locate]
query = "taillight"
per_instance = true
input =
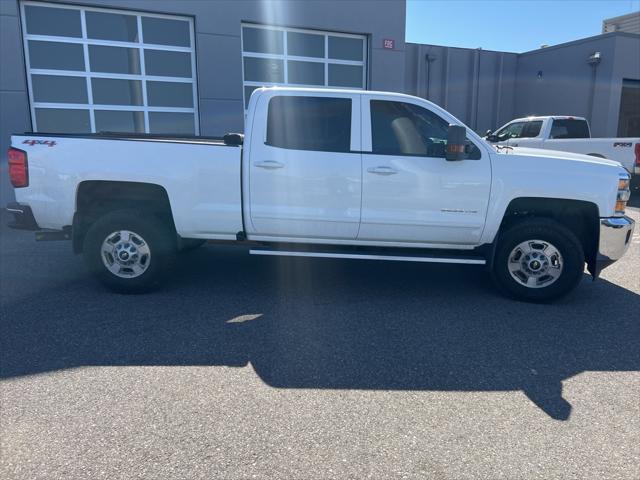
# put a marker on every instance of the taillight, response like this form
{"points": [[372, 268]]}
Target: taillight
{"points": [[18, 168], [637, 151]]}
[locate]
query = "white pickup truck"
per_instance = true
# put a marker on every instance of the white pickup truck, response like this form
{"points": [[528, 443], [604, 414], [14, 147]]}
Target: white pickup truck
{"points": [[567, 134], [326, 173]]}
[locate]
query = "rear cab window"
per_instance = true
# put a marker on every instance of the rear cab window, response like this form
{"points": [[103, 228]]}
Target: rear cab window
{"points": [[309, 123], [569, 128]]}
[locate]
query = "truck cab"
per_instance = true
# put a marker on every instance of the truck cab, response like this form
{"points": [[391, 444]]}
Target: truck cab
{"points": [[567, 134], [530, 131], [342, 166]]}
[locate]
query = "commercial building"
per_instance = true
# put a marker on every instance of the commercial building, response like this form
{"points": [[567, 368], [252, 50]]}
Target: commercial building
{"points": [[189, 66], [596, 77]]}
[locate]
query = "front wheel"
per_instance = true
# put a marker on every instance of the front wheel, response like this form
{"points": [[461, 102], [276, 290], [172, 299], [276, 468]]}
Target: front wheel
{"points": [[129, 251], [538, 260]]}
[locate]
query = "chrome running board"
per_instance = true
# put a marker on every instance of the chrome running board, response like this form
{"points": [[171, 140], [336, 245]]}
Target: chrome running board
{"points": [[369, 256]]}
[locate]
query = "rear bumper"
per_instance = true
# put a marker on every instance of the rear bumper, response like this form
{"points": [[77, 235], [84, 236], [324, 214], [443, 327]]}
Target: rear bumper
{"points": [[615, 238], [23, 218]]}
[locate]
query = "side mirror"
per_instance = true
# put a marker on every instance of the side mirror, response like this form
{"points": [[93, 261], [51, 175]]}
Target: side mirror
{"points": [[488, 134], [492, 138], [456, 142]]}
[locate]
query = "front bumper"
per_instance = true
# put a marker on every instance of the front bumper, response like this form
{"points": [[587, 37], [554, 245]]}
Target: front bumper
{"points": [[615, 238]]}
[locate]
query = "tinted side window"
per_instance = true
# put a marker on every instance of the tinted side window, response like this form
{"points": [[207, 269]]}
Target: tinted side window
{"points": [[513, 130], [532, 129], [310, 123], [399, 128], [569, 128]]}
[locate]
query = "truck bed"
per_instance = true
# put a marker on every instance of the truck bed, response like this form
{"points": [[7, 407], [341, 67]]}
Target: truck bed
{"points": [[201, 182], [147, 137]]}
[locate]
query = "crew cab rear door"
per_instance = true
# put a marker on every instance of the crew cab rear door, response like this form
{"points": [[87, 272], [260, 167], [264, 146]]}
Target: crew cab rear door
{"points": [[410, 192], [304, 166]]}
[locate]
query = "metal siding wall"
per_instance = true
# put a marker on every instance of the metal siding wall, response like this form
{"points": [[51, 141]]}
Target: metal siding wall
{"points": [[477, 86], [565, 86], [486, 89]]}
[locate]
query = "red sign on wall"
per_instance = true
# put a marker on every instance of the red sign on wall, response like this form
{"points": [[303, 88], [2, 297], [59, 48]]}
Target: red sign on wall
{"points": [[388, 43]]}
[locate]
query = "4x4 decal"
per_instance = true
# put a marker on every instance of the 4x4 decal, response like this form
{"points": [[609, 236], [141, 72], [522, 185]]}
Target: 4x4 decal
{"points": [[30, 142]]}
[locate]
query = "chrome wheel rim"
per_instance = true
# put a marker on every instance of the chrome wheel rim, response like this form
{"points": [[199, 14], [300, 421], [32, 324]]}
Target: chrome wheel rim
{"points": [[125, 254], [535, 263]]}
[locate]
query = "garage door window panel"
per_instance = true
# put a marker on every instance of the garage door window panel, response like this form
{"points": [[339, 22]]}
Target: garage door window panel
{"points": [[162, 31], [59, 89], [119, 121], [167, 64], [112, 26], [171, 123], [56, 56], [114, 59], [57, 22], [109, 91], [305, 73], [170, 94], [58, 120], [305, 45], [267, 70], [262, 40], [346, 48], [345, 76]]}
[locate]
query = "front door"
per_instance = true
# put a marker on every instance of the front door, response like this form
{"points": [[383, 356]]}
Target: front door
{"points": [[305, 167], [410, 192]]}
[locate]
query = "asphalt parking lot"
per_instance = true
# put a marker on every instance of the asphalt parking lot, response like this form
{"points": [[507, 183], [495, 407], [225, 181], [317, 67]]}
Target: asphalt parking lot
{"points": [[256, 367]]}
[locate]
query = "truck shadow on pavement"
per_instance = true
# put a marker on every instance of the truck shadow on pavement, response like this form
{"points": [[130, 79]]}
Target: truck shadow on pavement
{"points": [[322, 324]]}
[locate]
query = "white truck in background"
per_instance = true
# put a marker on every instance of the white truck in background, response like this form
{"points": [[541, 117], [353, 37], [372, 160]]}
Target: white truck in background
{"points": [[567, 134], [326, 173]]}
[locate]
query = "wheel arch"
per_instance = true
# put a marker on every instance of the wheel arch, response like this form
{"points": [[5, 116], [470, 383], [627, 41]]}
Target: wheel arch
{"points": [[580, 216], [95, 198]]}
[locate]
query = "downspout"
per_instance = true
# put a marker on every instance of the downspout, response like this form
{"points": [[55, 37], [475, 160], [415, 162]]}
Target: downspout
{"points": [[429, 59], [475, 90], [593, 61], [498, 93]]}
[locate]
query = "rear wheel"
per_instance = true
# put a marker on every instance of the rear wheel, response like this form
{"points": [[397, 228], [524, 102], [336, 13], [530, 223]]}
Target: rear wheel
{"points": [[538, 260], [129, 251]]}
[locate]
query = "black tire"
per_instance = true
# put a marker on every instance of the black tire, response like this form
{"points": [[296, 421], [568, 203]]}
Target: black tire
{"points": [[190, 244], [158, 236], [547, 230]]}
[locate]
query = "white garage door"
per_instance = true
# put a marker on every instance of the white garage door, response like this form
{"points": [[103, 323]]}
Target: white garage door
{"points": [[95, 69]]}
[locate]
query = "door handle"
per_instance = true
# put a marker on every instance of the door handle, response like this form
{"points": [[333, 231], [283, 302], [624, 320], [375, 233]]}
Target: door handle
{"points": [[382, 170], [269, 164]]}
